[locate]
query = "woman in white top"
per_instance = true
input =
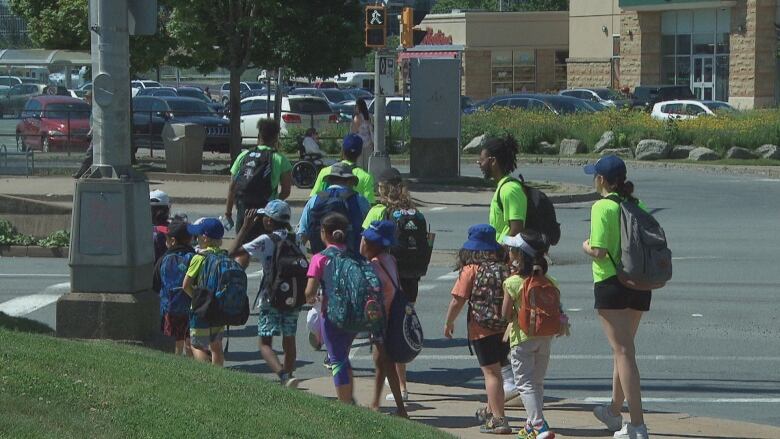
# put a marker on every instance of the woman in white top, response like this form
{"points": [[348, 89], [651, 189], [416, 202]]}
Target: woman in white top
{"points": [[361, 125]]}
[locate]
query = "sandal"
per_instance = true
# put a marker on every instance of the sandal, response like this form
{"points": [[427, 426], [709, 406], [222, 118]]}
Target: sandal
{"points": [[483, 415]]}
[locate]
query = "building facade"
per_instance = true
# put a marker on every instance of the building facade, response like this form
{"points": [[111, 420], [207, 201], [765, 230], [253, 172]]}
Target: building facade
{"points": [[12, 27]]}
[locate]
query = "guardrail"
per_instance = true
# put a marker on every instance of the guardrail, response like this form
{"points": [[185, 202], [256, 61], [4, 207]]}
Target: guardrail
{"points": [[5, 163]]}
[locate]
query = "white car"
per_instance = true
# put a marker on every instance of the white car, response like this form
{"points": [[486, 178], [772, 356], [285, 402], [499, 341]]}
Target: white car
{"points": [[139, 84], [396, 107], [297, 112], [687, 109]]}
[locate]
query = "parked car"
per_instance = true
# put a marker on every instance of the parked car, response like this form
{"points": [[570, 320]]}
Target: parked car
{"points": [[157, 91], [224, 91], [688, 109], [604, 96], [364, 80], [54, 122], [332, 95], [297, 112], [197, 93], [534, 102], [151, 113], [358, 93], [13, 100], [396, 107], [10, 81], [325, 84], [137, 85], [646, 96], [81, 91]]}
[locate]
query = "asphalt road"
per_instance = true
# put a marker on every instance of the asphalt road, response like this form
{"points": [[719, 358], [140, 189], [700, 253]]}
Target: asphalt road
{"points": [[710, 345]]}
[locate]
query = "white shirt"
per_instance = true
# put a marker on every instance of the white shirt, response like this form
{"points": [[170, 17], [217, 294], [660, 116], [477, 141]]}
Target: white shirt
{"points": [[262, 249], [311, 146]]}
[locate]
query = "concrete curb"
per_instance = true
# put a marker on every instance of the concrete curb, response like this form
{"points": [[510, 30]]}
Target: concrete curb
{"points": [[21, 251]]}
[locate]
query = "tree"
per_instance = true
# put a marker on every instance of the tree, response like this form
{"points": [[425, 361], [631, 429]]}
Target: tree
{"points": [[446, 6]]}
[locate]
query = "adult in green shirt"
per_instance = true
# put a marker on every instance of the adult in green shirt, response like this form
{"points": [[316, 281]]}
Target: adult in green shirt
{"points": [[351, 148], [281, 172], [619, 308], [508, 207]]}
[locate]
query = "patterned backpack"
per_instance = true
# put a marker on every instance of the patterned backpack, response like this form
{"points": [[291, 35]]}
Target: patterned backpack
{"points": [[173, 300], [487, 296], [221, 297], [353, 293]]}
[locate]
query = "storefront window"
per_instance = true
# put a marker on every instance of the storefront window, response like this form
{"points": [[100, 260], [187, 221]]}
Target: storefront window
{"points": [[502, 72], [513, 71], [525, 70], [704, 44], [560, 68]]}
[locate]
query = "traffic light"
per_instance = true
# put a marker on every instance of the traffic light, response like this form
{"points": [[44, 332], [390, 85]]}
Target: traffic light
{"points": [[376, 27], [410, 36]]}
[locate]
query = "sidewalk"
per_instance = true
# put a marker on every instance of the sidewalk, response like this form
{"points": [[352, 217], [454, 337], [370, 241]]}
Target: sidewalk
{"points": [[452, 409]]}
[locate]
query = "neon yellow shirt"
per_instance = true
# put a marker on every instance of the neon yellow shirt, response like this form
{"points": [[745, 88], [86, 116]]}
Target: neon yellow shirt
{"points": [[513, 286], [515, 205], [196, 264], [364, 187], [605, 233], [279, 165], [377, 213]]}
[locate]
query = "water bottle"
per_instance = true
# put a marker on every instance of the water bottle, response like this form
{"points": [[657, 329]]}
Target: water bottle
{"points": [[227, 222]]}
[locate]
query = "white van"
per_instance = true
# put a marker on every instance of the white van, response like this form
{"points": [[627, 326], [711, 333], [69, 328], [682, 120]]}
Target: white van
{"points": [[364, 80]]}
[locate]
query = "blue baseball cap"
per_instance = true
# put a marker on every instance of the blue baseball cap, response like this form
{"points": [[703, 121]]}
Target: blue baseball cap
{"points": [[352, 144], [381, 232], [277, 210], [209, 227], [609, 167], [482, 237]]}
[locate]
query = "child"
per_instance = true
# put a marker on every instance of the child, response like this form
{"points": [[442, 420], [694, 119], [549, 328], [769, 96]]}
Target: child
{"points": [[205, 337], [482, 272], [271, 322], [530, 355], [377, 238], [161, 211], [168, 278]]}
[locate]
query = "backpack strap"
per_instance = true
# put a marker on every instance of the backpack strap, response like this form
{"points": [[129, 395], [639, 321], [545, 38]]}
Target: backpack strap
{"points": [[508, 180], [392, 281], [615, 198]]}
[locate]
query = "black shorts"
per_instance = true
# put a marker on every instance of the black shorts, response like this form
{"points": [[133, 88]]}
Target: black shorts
{"points": [[491, 350], [611, 294], [410, 288]]}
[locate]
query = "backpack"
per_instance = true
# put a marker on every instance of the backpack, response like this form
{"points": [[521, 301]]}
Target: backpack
{"points": [[220, 297], [173, 299], [488, 296], [353, 293], [540, 215], [288, 282], [343, 202], [540, 306], [413, 250], [404, 334], [253, 180], [646, 261]]}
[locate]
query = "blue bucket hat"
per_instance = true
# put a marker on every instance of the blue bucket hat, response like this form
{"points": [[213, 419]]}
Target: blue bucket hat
{"points": [[209, 227], [277, 210], [352, 144], [482, 237], [381, 232], [609, 167]]}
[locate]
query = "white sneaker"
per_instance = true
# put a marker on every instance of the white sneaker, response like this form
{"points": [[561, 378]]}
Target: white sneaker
{"points": [[613, 422], [630, 432], [404, 396]]}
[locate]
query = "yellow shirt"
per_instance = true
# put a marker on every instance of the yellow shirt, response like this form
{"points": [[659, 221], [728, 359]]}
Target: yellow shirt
{"points": [[364, 187], [513, 207], [513, 286]]}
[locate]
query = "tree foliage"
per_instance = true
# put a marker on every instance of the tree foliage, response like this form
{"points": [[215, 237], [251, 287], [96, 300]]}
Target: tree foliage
{"points": [[446, 6]]}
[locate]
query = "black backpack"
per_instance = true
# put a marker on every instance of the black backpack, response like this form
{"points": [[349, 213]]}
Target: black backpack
{"points": [[541, 212], [329, 201], [413, 251], [253, 181], [288, 282]]}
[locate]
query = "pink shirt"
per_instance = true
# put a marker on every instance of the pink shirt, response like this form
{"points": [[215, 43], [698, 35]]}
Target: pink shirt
{"points": [[318, 261]]}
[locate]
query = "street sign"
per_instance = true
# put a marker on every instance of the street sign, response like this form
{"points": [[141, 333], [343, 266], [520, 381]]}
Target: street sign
{"points": [[387, 75]]}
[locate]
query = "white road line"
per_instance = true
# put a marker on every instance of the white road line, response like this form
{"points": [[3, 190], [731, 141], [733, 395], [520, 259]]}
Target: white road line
{"points": [[449, 276], [694, 258], [24, 305], [353, 353], [574, 309], [576, 357], [436, 209], [426, 287], [32, 275], [255, 275], [697, 400]]}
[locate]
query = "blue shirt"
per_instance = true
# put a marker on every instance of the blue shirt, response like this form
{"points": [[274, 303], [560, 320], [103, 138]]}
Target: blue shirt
{"points": [[303, 225]]}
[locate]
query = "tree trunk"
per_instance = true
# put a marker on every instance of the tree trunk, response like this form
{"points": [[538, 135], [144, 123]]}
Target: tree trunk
{"points": [[235, 113]]}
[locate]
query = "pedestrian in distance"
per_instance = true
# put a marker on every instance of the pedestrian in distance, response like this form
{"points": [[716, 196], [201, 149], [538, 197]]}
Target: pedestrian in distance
{"points": [[533, 308], [86, 163], [278, 253], [483, 270], [352, 148], [311, 144], [362, 125], [161, 211], [378, 237], [412, 250], [169, 275], [619, 308], [258, 176]]}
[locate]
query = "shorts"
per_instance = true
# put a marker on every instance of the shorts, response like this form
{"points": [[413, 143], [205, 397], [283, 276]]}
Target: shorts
{"points": [[177, 327], [202, 338], [491, 350], [410, 287], [272, 322], [611, 294]]}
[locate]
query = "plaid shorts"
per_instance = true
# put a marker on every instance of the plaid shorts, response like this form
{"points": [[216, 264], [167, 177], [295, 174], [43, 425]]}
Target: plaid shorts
{"points": [[271, 322], [202, 337]]}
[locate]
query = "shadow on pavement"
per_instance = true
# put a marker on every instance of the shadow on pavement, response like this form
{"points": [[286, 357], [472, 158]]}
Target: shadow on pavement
{"points": [[448, 421]]}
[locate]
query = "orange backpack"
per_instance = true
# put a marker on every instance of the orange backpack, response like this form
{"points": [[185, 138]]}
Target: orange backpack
{"points": [[540, 306]]}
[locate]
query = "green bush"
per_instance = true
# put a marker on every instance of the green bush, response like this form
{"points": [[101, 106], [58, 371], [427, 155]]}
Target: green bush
{"points": [[10, 236]]}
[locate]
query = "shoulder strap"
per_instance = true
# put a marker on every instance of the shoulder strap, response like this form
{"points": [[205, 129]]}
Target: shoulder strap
{"points": [[395, 285], [614, 198], [498, 191]]}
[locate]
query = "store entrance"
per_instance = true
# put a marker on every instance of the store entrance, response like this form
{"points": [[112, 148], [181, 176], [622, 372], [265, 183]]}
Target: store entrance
{"points": [[703, 77]]}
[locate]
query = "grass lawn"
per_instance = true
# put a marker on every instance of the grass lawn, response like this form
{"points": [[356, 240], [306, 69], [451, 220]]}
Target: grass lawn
{"points": [[56, 388]]}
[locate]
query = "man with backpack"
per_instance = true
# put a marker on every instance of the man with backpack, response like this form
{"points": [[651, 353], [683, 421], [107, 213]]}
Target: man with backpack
{"points": [[258, 176], [339, 197], [352, 148], [282, 288]]}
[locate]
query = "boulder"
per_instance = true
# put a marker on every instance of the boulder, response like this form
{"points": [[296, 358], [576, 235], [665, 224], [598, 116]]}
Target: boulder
{"points": [[651, 149], [620, 152], [476, 144], [681, 151], [736, 152], [572, 147], [702, 154], [607, 141], [547, 149], [768, 152]]}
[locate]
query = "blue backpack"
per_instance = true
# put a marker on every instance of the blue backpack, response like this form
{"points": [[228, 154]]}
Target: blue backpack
{"points": [[353, 293], [220, 297], [404, 335], [173, 299], [343, 201]]}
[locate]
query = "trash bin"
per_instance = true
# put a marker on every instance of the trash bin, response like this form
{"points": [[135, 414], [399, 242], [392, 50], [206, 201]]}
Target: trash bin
{"points": [[184, 147]]}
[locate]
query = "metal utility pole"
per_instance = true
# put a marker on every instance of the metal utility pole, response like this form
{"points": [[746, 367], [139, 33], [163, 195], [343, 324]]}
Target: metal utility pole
{"points": [[379, 160]]}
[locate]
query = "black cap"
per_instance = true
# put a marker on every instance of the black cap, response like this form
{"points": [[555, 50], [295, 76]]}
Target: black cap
{"points": [[178, 231], [390, 175]]}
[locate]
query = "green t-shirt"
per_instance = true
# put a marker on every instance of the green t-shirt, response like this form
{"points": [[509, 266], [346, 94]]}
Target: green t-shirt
{"points": [[364, 187], [605, 233], [514, 204], [513, 286], [279, 165], [377, 213]]}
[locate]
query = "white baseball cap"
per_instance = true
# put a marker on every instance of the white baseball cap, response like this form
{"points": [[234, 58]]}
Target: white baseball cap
{"points": [[159, 198]]}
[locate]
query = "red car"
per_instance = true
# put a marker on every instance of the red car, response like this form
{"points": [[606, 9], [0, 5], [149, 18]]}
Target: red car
{"points": [[54, 122]]}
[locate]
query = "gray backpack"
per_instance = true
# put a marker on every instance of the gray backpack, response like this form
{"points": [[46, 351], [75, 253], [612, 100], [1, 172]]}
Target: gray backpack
{"points": [[646, 261]]}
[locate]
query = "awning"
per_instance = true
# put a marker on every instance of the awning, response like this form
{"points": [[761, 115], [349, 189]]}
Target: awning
{"points": [[416, 55]]}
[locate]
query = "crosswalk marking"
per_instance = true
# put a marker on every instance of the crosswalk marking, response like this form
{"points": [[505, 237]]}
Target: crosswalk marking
{"points": [[449, 276]]}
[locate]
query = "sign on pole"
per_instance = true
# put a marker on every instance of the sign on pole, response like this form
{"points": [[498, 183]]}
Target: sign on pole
{"points": [[387, 75]]}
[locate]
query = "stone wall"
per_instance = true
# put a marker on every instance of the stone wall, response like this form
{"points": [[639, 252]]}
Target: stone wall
{"points": [[588, 73], [640, 48], [752, 63], [476, 81]]}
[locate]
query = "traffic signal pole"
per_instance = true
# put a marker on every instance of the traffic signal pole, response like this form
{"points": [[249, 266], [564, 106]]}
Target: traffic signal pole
{"points": [[379, 160]]}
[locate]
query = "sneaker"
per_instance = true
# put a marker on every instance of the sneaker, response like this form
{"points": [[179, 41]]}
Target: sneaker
{"points": [[326, 363], [543, 431], [613, 422], [483, 415], [526, 432], [496, 425], [404, 396], [630, 432], [292, 382], [314, 341]]}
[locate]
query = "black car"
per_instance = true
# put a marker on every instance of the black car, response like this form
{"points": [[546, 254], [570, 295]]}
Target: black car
{"points": [[151, 113], [533, 102], [157, 91], [196, 93], [332, 95], [645, 96]]}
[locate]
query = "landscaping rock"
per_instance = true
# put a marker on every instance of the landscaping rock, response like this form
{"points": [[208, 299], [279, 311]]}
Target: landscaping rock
{"points": [[702, 154], [768, 152], [620, 152], [607, 141], [572, 147], [736, 152], [547, 149], [681, 151], [476, 144], [651, 149]]}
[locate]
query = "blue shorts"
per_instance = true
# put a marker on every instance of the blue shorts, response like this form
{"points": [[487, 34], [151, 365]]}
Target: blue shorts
{"points": [[271, 322]]}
